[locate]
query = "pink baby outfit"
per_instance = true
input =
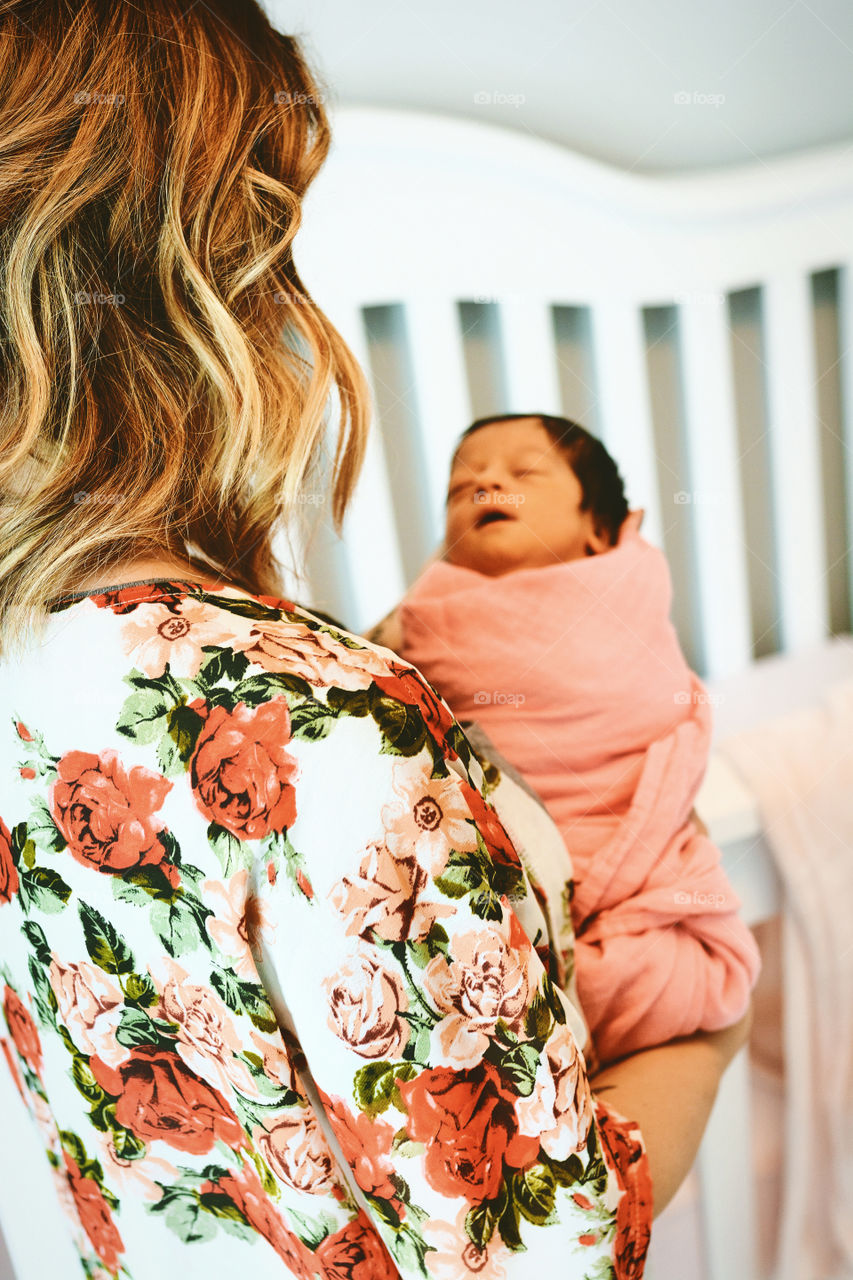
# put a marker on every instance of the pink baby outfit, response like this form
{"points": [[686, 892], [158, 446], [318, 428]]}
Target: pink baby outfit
{"points": [[576, 673]]}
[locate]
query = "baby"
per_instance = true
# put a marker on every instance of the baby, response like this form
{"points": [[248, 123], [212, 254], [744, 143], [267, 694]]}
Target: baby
{"points": [[546, 621]]}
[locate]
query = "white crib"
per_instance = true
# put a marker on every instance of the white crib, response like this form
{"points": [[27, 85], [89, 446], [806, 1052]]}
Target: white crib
{"points": [[700, 325]]}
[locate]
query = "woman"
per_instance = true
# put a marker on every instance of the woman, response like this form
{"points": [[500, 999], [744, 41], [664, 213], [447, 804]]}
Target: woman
{"points": [[267, 979]]}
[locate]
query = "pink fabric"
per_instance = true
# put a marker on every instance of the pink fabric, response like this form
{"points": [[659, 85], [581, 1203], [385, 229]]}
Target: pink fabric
{"points": [[576, 674]]}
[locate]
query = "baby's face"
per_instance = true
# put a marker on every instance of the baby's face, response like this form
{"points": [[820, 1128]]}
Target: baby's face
{"points": [[513, 502]]}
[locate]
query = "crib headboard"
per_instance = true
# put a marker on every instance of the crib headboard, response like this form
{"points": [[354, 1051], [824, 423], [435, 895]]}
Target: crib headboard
{"points": [[699, 324]]}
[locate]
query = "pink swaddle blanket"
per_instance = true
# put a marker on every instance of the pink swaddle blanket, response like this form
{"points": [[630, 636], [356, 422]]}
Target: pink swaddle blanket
{"points": [[576, 674]]}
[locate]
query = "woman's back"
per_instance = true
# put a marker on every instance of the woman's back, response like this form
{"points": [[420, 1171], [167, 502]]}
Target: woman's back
{"points": [[221, 818]]}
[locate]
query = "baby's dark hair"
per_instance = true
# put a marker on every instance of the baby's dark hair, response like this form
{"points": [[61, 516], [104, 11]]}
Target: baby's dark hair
{"points": [[600, 481]]}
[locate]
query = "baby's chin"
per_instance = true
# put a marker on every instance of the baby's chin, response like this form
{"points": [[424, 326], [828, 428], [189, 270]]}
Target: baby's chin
{"points": [[491, 564], [494, 565]]}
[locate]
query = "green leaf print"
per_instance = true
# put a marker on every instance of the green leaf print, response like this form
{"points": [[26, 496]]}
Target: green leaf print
{"points": [[535, 1191], [230, 851], [137, 1028], [272, 684], [409, 1249], [475, 873], [106, 949], [519, 1065], [568, 1172], [223, 664], [143, 716], [508, 1224], [184, 1215], [184, 726], [42, 828], [311, 720], [401, 725], [140, 990], [353, 702], [35, 936], [244, 997], [481, 1220], [434, 944], [243, 608], [43, 888], [19, 843], [375, 1085], [180, 923]]}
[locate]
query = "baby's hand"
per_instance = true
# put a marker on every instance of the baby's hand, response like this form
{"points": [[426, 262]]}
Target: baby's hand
{"points": [[388, 632]]}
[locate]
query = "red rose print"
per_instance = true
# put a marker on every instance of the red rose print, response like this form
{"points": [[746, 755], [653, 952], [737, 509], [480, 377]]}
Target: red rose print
{"points": [[624, 1152], [8, 870], [365, 1144], [356, 1253], [407, 685], [124, 601], [94, 1215], [106, 812], [247, 1193], [241, 770], [22, 1029], [467, 1119], [158, 1096], [13, 1067], [23, 732], [498, 843]]}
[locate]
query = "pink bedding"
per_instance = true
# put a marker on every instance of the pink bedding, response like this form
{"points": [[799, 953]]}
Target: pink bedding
{"points": [[576, 673]]}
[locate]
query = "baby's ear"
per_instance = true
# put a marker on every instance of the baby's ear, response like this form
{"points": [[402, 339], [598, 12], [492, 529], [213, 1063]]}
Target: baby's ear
{"points": [[597, 542]]}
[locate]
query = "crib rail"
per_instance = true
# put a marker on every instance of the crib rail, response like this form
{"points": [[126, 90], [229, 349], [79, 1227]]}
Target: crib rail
{"points": [[450, 255]]}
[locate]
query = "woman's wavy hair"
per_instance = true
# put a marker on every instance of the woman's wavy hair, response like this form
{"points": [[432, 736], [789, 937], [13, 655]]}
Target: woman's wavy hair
{"points": [[166, 380], [601, 484]]}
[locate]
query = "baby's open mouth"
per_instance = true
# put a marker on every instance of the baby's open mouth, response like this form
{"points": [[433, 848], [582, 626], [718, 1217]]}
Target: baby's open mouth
{"points": [[490, 516]]}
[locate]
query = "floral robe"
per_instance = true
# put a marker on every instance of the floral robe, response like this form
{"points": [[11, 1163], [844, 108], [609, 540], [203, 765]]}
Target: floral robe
{"points": [[266, 966]]}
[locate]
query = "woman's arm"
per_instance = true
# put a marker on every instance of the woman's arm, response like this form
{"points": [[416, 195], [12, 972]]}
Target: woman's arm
{"points": [[669, 1091]]}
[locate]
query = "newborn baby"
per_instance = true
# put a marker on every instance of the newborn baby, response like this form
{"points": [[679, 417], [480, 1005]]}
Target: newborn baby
{"points": [[547, 622]]}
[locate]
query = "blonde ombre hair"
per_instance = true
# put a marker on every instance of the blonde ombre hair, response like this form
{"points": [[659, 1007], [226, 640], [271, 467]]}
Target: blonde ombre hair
{"points": [[167, 381]]}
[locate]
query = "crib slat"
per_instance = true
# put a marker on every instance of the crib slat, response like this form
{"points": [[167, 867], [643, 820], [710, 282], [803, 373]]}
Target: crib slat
{"points": [[795, 459], [437, 361], [845, 346], [529, 353], [619, 360], [371, 543], [715, 511]]}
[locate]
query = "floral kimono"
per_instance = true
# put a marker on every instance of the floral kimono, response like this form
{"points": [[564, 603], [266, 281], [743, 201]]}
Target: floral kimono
{"points": [[269, 967]]}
